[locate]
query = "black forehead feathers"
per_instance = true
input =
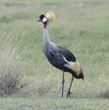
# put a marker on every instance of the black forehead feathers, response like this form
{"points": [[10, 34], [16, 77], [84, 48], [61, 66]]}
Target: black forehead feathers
{"points": [[41, 16]]}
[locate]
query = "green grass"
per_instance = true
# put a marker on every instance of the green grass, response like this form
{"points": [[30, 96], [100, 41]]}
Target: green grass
{"points": [[48, 103], [82, 27]]}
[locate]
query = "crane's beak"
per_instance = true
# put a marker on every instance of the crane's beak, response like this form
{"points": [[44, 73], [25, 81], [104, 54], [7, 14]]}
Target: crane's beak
{"points": [[39, 20]]}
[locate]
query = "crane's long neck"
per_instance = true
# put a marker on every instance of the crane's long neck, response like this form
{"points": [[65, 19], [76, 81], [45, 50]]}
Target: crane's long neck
{"points": [[46, 40]]}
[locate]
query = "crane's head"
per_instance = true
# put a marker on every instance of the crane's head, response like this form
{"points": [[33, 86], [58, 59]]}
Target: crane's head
{"points": [[81, 74], [50, 16], [43, 19]]}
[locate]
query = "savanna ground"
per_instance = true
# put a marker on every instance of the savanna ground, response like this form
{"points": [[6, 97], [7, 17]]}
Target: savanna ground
{"points": [[27, 80]]}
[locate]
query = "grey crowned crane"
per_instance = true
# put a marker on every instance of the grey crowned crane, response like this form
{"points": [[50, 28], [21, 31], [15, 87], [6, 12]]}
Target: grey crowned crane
{"points": [[58, 56]]}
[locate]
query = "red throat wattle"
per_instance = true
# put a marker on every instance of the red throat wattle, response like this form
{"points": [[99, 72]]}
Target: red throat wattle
{"points": [[44, 26]]}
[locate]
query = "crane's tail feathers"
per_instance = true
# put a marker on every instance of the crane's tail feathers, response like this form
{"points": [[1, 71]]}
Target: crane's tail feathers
{"points": [[73, 66]]}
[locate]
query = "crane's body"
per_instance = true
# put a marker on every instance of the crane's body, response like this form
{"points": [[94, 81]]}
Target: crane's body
{"points": [[60, 57]]}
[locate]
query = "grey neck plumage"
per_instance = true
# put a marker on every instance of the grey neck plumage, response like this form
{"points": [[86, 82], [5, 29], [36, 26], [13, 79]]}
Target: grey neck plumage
{"points": [[46, 40], [47, 44]]}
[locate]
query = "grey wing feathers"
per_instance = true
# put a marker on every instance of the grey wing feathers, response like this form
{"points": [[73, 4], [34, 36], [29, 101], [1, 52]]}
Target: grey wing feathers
{"points": [[56, 59], [66, 53], [55, 56]]}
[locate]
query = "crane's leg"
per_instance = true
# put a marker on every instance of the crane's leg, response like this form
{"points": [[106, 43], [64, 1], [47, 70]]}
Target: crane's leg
{"points": [[68, 93], [63, 84]]}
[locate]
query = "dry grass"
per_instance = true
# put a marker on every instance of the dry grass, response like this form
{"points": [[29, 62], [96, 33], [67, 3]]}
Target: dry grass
{"points": [[9, 78], [10, 69]]}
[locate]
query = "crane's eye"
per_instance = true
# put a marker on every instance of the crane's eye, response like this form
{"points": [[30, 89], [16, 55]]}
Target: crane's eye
{"points": [[44, 19]]}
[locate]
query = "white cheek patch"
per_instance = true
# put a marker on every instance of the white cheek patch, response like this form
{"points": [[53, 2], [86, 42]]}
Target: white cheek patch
{"points": [[44, 19]]}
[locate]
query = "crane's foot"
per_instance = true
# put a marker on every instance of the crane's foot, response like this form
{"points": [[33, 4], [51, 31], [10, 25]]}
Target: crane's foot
{"points": [[69, 94]]}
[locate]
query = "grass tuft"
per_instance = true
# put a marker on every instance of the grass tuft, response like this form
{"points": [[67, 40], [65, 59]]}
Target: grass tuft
{"points": [[9, 78], [104, 95], [5, 19], [10, 68]]}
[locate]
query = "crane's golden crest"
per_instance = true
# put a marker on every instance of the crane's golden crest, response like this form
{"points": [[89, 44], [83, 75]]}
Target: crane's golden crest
{"points": [[51, 16]]}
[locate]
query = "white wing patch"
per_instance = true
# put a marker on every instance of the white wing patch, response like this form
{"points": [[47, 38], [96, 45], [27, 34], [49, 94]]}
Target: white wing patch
{"points": [[75, 66]]}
